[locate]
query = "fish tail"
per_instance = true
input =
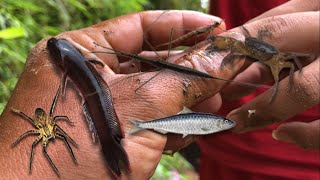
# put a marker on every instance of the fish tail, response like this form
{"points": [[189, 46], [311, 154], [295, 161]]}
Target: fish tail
{"points": [[136, 128], [116, 158]]}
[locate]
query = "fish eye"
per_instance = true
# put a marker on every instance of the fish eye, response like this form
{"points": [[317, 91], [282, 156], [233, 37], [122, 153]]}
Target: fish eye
{"points": [[226, 121]]}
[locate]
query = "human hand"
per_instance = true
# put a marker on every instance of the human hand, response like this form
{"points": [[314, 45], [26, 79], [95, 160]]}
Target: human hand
{"points": [[163, 96], [295, 28]]}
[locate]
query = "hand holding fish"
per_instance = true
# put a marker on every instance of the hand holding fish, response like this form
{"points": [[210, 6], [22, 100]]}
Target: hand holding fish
{"points": [[164, 96]]}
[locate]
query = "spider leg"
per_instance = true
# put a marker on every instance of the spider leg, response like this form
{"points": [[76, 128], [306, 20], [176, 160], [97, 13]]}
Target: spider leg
{"points": [[54, 101], [32, 148], [62, 118], [68, 145], [44, 146], [66, 135], [23, 115], [24, 135]]}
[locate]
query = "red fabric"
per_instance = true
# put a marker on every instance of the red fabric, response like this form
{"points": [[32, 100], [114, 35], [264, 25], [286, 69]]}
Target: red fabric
{"points": [[237, 12], [255, 155]]}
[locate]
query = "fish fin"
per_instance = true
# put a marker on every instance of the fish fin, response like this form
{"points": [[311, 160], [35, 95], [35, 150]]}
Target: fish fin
{"points": [[161, 131], [64, 83], [185, 110], [114, 124], [95, 62], [205, 129], [184, 135], [90, 122], [135, 127], [116, 157]]}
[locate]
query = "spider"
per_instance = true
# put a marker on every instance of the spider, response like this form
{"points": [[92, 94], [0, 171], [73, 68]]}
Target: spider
{"points": [[47, 130]]}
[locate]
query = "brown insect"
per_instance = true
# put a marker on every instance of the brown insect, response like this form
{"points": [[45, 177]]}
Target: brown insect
{"points": [[195, 32], [47, 130], [259, 50]]}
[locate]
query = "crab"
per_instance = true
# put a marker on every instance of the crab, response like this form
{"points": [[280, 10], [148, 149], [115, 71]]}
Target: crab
{"points": [[259, 50], [47, 130]]}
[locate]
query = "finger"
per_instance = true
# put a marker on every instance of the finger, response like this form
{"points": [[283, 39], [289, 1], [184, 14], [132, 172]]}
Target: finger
{"points": [[255, 74], [293, 6], [168, 92], [287, 31], [284, 38], [155, 25], [305, 135], [126, 33], [304, 94]]}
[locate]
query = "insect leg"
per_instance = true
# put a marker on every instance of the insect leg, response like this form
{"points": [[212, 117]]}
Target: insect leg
{"points": [[44, 146], [66, 135], [32, 148], [246, 33], [68, 145], [24, 135], [23, 115]]}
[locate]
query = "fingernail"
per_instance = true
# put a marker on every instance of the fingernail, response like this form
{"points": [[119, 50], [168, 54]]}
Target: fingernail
{"points": [[280, 136]]}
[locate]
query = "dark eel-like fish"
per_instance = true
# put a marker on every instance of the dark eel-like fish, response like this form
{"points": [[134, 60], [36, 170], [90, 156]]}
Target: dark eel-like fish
{"points": [[98, 106]]}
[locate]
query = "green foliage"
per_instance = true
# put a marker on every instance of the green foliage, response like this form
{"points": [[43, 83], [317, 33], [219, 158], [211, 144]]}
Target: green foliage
{"points": [[25, 22], [172, 168]]}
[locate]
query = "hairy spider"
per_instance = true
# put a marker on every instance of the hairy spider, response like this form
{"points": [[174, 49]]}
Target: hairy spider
{"points": [[47, 130]]}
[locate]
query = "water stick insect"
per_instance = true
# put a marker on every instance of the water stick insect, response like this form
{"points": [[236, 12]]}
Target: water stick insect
{"points": [[47, 130]]}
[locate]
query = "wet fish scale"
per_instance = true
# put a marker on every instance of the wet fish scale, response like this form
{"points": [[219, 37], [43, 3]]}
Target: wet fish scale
{"points": [[190, 123]]}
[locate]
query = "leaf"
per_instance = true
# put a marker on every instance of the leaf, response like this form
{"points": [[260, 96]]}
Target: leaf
{"points": [[12, 33]]}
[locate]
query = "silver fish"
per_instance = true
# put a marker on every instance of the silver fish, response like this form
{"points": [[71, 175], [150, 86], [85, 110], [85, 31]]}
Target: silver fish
{"points": [[185, 123]]}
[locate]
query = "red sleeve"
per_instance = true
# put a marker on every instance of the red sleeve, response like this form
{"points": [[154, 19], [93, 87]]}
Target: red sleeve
{"points": [[237, 12], [255, 155]]}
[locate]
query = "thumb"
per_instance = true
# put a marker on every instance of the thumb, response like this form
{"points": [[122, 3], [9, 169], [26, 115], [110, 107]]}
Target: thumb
{"points": [[305, 135]]}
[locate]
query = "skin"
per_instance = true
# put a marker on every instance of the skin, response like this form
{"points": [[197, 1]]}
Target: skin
{"points": [[41, 78], [292, 17], [145, 149]]}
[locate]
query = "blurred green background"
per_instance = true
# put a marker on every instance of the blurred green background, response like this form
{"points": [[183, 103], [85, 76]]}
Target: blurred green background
{"points": [[25, 22]]}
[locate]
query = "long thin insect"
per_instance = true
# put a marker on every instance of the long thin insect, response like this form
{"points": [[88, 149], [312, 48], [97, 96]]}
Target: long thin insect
{"points": [[158, 63], [190, 34]]}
